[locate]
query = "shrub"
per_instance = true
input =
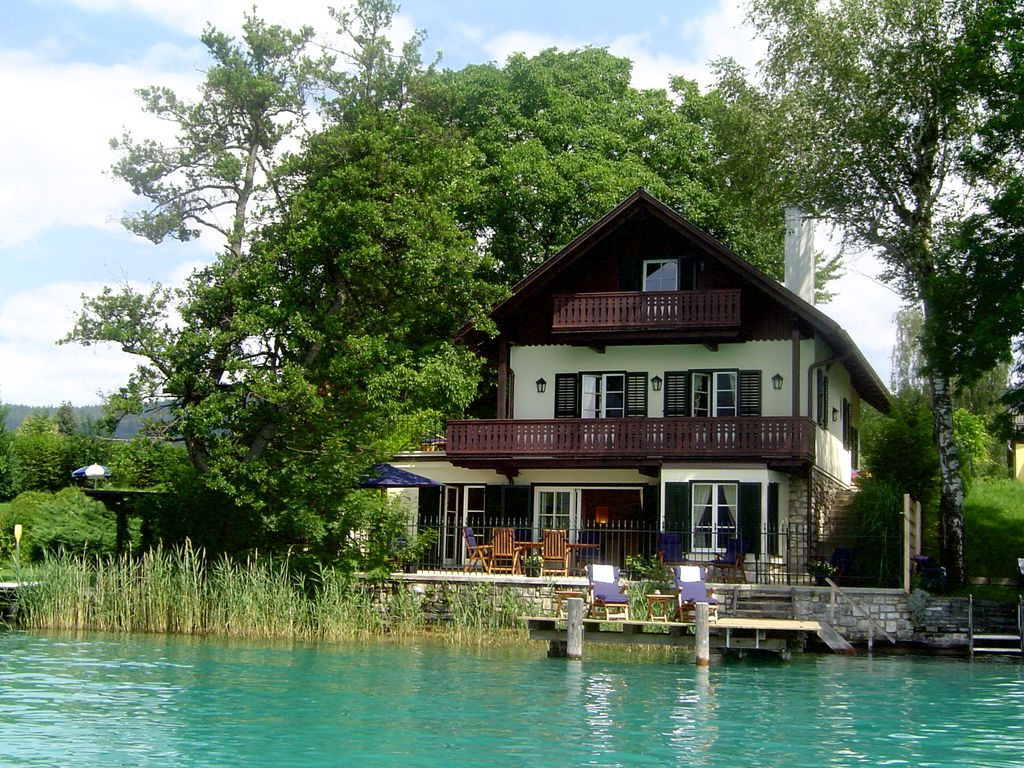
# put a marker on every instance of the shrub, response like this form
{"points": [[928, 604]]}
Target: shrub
{"points": [[67, 519]]}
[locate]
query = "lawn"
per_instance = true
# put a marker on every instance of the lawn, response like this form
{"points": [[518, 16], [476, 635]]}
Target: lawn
{"points": [[994, 528]]}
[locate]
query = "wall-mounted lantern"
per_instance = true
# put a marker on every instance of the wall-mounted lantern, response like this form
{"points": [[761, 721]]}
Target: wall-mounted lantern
{"points": [[541, 386], [777, 381], [656, 383], [835, 414]]}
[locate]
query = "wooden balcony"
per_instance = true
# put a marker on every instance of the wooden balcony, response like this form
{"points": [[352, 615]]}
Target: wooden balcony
{"points": [[626, 442], [633, 310]]}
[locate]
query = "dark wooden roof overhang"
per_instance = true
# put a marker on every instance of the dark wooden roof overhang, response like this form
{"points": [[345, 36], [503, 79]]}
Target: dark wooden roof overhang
{"points": [[863, 376]]}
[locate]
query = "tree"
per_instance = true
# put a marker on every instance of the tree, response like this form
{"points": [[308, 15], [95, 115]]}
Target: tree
{"points": [[320, 352], [253, 97], [8, 459], [563, 136], [881, 111]]}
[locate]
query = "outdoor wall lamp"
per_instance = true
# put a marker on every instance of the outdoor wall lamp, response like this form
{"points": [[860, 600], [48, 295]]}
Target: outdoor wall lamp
{"points": [[835, 414], [656, 383], [777, 381], [541, 386]]}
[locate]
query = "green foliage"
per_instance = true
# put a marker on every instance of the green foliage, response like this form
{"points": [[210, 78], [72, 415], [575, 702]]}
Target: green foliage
{"points": [[878, 507], [974, 444], [899, 449], [67, 519], [994, 519], [8, 459], [42, 458], [652, 571]]}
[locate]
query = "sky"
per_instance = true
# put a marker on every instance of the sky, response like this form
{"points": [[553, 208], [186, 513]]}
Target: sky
{"points": [[68, 74]]}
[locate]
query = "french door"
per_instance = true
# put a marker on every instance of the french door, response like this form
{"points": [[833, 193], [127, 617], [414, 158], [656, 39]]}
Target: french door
{"points": [[463, 505], [557, 508]]}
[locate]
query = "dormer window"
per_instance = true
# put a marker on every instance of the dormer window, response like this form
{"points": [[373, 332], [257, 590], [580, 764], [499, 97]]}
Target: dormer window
{"points": [[661, 275]]}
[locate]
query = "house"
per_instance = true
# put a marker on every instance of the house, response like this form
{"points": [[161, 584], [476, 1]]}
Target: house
{"points": [[649, 380]]}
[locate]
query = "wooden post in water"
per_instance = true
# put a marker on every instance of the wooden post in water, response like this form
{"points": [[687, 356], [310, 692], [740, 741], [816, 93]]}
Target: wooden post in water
{"points": [[702, 641], [574, 628]]}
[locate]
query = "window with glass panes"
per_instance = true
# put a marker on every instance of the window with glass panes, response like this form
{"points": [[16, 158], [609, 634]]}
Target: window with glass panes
{"points": [[713, 393], [661, 275], [714, 508]]}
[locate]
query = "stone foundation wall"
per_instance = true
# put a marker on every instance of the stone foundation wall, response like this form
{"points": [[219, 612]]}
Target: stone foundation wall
{"points": [[918, 618]]}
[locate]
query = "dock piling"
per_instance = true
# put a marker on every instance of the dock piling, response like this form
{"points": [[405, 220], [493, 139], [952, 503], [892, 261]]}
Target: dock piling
{"points": [[574, 635], [702, 640]]}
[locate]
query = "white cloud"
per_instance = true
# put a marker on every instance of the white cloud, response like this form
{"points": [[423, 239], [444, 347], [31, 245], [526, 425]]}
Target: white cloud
{"points": [[55, 154], [37, 372], [721, 32]]}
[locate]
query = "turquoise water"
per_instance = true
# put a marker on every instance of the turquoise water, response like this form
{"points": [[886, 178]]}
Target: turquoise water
{"points": [[103, 700]]}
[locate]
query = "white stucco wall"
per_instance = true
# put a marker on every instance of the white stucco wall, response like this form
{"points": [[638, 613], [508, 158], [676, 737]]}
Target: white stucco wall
{"points": [[532, 363]]}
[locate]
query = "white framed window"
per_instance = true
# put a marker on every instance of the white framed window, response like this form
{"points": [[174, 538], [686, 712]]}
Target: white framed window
{"points": [[603, 396], [713, 393], [556, 508], [661, 275], [714, 515]]}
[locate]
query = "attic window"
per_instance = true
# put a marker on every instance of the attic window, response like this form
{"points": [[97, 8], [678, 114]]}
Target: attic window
{"points": [[661, 275]]}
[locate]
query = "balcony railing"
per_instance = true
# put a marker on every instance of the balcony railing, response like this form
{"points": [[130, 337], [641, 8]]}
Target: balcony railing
{"points": [[633, 310], [668, 438]]}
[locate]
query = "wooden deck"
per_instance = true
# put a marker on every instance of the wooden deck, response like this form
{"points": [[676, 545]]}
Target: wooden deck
{"points": [[778, 636]]}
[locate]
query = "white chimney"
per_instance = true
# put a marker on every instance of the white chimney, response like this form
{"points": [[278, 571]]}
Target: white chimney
{"points": [[799, 253]]}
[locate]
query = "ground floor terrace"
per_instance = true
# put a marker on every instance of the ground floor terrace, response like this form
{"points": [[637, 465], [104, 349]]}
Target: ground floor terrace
{"points": [[746, 523]]}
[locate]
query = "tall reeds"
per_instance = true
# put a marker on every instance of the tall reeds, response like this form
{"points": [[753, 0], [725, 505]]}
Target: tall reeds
{"points": [[178, 591]]}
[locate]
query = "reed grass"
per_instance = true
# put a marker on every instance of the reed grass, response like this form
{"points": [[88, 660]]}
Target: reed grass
{"points": [[178, 591]]}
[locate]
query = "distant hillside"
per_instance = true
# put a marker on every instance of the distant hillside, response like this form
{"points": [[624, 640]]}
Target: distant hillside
{"points": [[85, 414]]}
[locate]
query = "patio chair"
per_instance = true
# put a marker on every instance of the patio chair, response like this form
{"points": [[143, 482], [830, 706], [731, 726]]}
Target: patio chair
{"points": [[730, 563], [504, 553], [692, 588], [670, 548], [586, 551], [608, 600], [476, 553], [555, 552]]}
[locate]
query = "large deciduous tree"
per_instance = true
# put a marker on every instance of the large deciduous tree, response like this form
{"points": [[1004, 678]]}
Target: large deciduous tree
{"points": [[317, 350], [880, 110], [563, 136]]}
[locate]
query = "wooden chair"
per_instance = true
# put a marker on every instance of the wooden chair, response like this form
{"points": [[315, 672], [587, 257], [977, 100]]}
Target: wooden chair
{"points": [[476, 553], [555, 552], [608, 600], [691, 588], [731, 562], [670, 548], [504, 553]]}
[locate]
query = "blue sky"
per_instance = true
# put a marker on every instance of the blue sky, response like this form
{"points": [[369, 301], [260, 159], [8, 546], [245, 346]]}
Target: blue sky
{"points": [[68, 70]]}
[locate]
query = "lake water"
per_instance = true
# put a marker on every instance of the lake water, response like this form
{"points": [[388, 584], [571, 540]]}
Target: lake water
{"points": [[104, 700]]}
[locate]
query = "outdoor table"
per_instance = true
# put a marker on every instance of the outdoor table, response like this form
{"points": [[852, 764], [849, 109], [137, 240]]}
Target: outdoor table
{"points": [[660, 607]]}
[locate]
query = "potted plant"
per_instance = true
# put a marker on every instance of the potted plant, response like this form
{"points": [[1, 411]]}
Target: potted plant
{"points": [[533, 565], [820, 570], [657, 576]]}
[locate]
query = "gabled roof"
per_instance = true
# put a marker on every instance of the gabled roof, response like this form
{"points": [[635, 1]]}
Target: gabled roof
{"points": [[862, 374]]}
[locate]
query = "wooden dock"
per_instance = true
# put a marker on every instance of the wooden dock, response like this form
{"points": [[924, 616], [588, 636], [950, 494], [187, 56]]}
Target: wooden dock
{"points": [[735, 635]]}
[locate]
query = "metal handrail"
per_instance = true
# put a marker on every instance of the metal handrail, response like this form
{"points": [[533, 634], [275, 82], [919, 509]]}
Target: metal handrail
{"points": [[872, 624]]}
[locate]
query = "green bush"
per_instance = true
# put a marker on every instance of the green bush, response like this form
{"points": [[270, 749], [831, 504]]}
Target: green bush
{"points": [[878, 507], [67, 519]]}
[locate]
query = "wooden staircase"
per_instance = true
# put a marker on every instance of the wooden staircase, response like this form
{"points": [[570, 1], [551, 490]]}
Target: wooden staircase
{"points": [[754, 603], [1001, 628]]}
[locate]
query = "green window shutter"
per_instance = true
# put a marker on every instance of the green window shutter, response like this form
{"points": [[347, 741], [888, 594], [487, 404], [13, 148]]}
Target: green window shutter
{"points": [[429, 505], [677, 393], [651, 516], [636, 394], [567, 396], [750, 516], [630, 278], [772, 544], [677, 511], [516, 501], [750, 393]]}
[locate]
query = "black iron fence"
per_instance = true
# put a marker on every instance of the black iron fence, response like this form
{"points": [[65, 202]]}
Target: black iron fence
{"points": [[783, 557]]}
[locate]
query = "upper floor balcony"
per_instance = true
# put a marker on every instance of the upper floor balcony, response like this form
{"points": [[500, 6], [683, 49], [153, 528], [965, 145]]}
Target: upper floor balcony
{"points": [[625, 442], [634, 310]]}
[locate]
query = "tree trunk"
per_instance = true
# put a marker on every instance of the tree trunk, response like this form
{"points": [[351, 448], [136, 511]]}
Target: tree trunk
{"points": [[951, 497]]}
